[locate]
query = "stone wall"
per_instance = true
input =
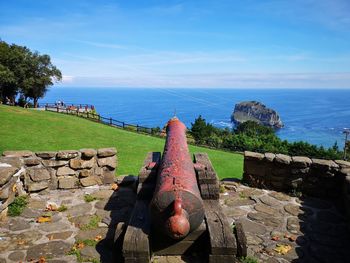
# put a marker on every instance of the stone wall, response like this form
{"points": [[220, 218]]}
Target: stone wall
{"points": [[315, 177], [23, 172]]}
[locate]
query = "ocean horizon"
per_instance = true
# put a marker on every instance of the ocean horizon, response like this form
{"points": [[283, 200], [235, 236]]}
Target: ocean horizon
{"points": [[317, 116]]}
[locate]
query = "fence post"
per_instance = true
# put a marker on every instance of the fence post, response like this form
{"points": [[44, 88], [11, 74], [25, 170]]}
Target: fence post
{"points": [[46, 107], [87, 114], [57, 109], [123, 125], [137, 128], [99, 118], [110, 121]]}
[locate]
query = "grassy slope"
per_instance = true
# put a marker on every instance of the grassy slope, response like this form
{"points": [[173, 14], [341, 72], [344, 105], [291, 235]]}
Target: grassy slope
{"points": [[26, 129]]}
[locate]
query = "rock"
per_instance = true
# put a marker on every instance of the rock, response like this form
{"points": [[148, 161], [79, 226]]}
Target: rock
{"points": [[7, 189], [323, 165], [265, 219], [342, 163], [34, 187], [106, 152], [103, 194], [48, 250], [269, 201], [60, 235], [280, 196], [345, 171], [266, 209], [88, 153], [255, 111], [91, 180], [85, 173], [294, 225], [17, 153], [38, 174], [296, 210], [97, 171], [62, 171], [253, 239], [89, 253], [31, 161], [301, 161], [68, 183], [6, 173], [30, 213], [108, 176], [253, 156], [66, 155], [91, 234], [233, 202], [54, 163], [252, 227], [46, 155], [17, 256], [283, 159], [53, 227], [82, 164], [111, 162], [12, 161], [270, 157], [36, 204], [17, 224], [81, 209]]}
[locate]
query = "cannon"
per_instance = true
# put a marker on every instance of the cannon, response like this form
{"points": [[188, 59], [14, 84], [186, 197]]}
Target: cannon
{"points": [[177, 206], [177, 210]]}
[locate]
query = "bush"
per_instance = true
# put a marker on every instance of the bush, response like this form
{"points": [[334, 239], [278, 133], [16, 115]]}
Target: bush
{"points": [[17, 206]]}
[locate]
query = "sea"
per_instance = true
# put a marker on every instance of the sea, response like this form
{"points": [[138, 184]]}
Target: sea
{"points": [[317, 116]]}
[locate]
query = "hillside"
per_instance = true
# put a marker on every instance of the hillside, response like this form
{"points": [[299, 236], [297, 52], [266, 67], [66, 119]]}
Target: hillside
{"points": [[27, 129]]}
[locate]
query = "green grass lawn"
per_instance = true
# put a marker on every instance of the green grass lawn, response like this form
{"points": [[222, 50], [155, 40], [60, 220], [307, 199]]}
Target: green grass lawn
{"points": [[28, 129]]}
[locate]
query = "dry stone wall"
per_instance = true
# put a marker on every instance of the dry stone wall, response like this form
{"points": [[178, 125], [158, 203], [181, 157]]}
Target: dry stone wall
{"points": [[315, 177], [23, 172]]}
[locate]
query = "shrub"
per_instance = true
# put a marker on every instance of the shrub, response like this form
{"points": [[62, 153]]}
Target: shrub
{"points": [[17, 206]]}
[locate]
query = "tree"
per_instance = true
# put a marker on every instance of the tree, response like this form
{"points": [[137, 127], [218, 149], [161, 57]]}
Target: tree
{"points": [[200, 130], [24, 71], [42, 74]]}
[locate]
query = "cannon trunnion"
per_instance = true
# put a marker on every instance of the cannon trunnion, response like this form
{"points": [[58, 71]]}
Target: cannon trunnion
{"points": [[177, 211]]}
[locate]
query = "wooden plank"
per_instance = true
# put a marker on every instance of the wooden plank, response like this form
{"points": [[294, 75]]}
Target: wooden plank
{"points": [[241, 240], [214, 191], [205, 170], [221, 237], [136, 240]]}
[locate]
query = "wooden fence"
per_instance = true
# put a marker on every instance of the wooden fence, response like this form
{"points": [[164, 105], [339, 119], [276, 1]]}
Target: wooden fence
{"points": [[87, 111]]}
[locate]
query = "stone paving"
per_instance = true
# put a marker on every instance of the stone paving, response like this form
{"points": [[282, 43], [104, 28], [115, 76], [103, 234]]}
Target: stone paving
{"points": [[313, 228]]}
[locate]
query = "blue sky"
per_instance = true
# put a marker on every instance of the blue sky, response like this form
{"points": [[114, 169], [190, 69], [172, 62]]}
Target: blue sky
{"points": [[222, 43]]}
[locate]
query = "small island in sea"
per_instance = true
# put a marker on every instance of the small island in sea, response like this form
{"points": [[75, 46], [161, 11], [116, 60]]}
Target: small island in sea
{"points": [[256, 111]]}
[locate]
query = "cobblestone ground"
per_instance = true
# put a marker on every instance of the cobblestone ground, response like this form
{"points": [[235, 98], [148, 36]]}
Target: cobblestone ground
{"points": [[313, 228], [310, 229]]}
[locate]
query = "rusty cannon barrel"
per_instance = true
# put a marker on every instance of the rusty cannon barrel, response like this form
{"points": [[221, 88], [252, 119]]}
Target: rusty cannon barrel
{"points": [[177, 206]]}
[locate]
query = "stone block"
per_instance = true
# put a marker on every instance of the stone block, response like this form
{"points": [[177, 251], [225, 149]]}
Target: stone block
{"points": [[37, 186], [6, 172], [301, 162], [38, 174], [108, 161], [86, 173], [108, 176], [106, 152], [53, 181], [91, 180], [68, 183], [283, 159], [323, 165], [18, 154], [270, 157], [88, 153], [253, 167], [63, 171], [82, 164], [97, 171], [13, 161], [46, 155], [6, 189], [66, 155], [342, 163], [31, 161], [253, 156], [54, 163]]}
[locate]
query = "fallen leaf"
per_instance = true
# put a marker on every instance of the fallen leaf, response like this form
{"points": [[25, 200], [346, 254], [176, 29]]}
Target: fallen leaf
{"points": [[275, 238], [51, 207], [21, 242], [98, 238], [14, 188], [43, 219], [114, 187], [80, 245], [282, 249], [42, 260]]}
